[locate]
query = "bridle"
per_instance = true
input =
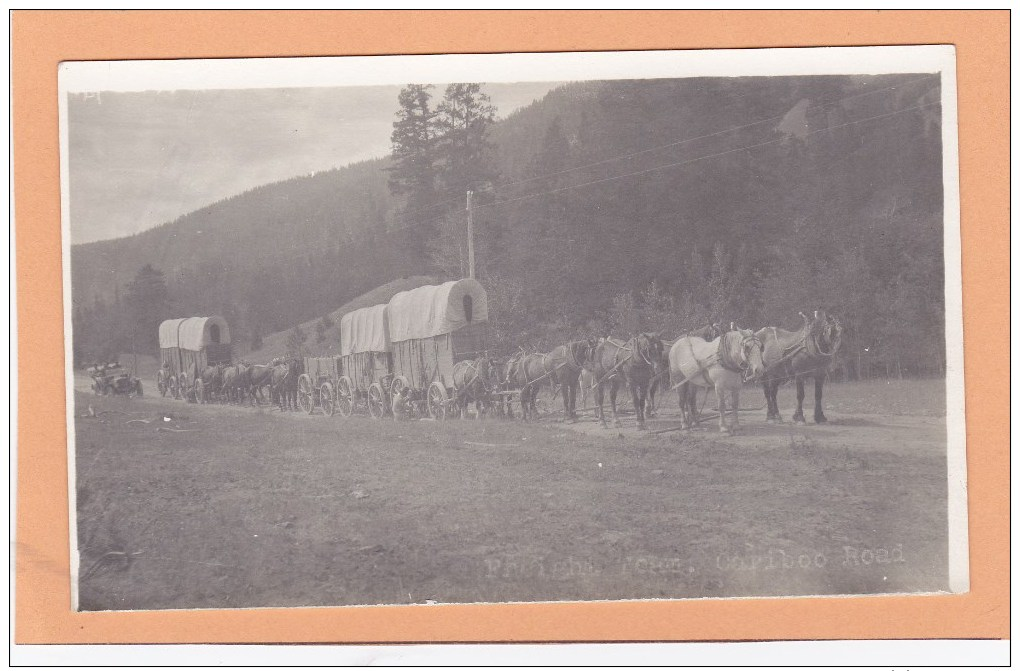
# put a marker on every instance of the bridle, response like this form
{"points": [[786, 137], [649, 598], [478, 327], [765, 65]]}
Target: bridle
{"points": [[743, 364], [643, 352]]}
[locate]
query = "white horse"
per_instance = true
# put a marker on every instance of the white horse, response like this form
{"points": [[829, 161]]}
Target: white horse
{"points": [[722, 364]]}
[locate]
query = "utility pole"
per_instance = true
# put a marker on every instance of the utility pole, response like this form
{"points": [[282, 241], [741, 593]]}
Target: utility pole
{"points": [[471, 238]]}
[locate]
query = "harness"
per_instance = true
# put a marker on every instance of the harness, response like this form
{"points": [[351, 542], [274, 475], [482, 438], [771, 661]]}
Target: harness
{"points": [[622, 347], [544, 356], [477, 381], [721, 355], [808, 343], [573, 355]]}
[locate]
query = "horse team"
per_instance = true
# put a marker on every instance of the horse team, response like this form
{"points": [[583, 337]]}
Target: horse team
{"points": [[243, 382], [711, 358]]}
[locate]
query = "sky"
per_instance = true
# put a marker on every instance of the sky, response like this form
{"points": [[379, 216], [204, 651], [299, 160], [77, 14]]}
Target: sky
{"points": [[140, 159]]}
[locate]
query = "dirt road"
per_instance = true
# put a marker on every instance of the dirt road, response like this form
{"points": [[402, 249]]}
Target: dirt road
{"points": [[183, 506]]}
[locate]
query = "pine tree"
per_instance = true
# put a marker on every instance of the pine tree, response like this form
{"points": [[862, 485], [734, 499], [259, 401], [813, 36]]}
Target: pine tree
{"points": [[146, 304], [413, 173], [463, 148]]}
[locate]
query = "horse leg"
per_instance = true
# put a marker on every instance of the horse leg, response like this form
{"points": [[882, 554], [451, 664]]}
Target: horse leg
{"points": [[770, 412], [614, 388], [575, 389], [720, 394], [735, 401], [681, 394], [599, 397], [799, 417], [774, 396], [637, 395], [820, 417], [650, 398], [692, 404]]}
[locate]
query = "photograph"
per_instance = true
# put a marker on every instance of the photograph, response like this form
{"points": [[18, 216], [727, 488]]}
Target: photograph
{"points": [[498, 328]]}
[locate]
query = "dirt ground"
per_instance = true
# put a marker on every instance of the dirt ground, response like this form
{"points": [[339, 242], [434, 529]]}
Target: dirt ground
{"points": [[186, 506]]}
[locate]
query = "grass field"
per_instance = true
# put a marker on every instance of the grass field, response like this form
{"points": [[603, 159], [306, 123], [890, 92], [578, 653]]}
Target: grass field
{"points": [[235, 507]]}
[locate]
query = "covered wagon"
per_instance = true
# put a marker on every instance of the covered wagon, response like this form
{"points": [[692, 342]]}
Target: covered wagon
{"points": [[186, 347], [366, 364], [318, 383], [431, 329]]}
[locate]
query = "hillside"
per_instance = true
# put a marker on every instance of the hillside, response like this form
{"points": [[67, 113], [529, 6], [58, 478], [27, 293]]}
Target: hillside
{"points": [[275, 344], [618, 205]]}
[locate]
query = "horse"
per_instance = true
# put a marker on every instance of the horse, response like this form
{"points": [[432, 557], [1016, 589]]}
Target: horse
{"points": [[473, 381], [236, 381], [261, 378], [284, 382], [212, 382], [527, 372], [633, 362], [721, 364], [567, 362], [661, 379], [799, 355]]}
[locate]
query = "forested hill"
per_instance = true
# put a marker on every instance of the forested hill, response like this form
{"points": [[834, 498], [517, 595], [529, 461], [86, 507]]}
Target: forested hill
{"points": [[616, 206]]}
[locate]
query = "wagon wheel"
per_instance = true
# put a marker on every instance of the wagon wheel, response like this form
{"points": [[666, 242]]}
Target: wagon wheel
{"points": [[376, 401], [399, 385], [305, 393], [437, 400], [326, 401], [161, 382], [199, 391], [344, 397]]}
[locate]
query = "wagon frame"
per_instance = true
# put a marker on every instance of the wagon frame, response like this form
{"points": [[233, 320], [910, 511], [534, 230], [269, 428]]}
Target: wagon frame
{"points": [[359, 377], [190, 344], [433, 328]]}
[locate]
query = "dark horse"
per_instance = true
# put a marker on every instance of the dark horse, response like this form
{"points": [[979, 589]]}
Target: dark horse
{"points": [[236, 381], [661, 379], [473, 380], [566, 362], [261, 378], [284, 383], [799, 355], [634, 362], [528, 372], [212, 383]]}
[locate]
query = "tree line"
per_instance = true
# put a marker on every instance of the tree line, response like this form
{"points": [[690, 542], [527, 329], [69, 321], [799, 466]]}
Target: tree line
{"points": [[605, 208]]}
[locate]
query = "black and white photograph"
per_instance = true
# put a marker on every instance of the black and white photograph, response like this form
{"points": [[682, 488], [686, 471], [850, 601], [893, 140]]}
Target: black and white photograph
{"points": [[393, 330]]}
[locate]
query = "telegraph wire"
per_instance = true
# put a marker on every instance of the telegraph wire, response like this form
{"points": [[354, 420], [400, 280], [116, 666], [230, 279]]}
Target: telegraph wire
{"points": [[707, 156], [814, 106]]}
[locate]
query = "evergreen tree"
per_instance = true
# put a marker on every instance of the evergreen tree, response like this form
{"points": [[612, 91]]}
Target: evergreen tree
{"points": [[147, 300], [463, 149], [413, 172]]}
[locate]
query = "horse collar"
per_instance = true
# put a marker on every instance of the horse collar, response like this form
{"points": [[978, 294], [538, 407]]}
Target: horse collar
{"points": [[724, 357]]}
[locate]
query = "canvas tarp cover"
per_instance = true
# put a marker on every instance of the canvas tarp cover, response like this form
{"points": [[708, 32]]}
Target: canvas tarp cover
{"points": [[437, 309], [364, 330], [194, 333]]}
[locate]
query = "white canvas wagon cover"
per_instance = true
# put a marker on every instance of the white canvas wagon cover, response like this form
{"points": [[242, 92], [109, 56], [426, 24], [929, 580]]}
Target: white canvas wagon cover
{"points": [[194, 333], [437, 309], [364, 330]]}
